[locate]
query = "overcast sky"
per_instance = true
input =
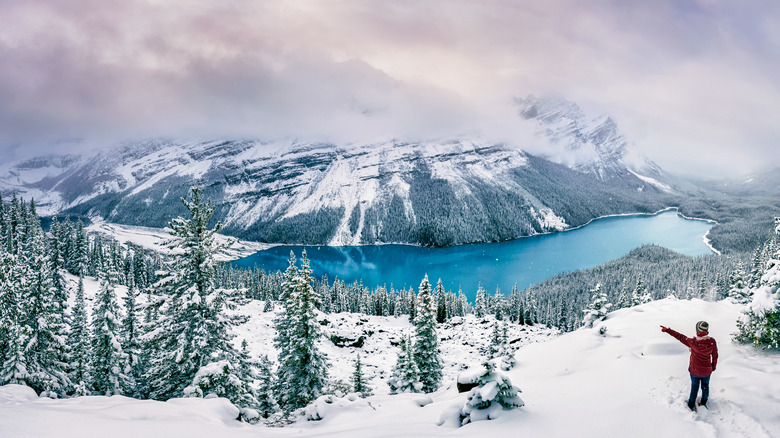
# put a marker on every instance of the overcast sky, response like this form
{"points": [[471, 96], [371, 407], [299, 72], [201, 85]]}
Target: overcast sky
{"points": [[694, 84]]}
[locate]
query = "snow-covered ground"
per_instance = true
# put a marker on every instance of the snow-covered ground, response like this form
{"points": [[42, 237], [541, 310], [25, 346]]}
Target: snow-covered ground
{"points": [[633, 381], [154, 238]]}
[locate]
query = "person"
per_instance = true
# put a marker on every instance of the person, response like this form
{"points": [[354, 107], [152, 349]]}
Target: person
{"points": [[704, 359]]}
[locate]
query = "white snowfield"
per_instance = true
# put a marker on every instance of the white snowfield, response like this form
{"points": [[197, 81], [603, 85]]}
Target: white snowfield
{"points": [[631, 382], [154, 239]]}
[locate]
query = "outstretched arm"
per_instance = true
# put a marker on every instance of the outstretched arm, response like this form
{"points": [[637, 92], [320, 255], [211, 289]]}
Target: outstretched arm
{"points": [[679, 336]]}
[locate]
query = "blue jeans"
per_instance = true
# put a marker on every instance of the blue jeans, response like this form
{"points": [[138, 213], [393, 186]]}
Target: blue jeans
{"points": [[705, 388]]}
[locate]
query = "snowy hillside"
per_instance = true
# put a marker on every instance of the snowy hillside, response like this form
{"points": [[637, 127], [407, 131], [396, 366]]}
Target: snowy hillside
{"points": [[630, 382], [439, 192], [155, 238]]}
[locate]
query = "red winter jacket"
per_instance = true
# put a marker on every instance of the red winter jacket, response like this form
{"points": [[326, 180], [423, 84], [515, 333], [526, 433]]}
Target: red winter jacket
{"points": [[702, 348]]}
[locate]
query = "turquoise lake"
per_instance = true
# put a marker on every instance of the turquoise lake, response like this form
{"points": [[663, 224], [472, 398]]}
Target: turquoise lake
{"points": [[524, 261]]}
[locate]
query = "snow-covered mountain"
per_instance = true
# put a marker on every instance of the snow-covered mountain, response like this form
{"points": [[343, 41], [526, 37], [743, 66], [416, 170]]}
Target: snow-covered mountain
{"points": [[592, 145], [441, 192]]}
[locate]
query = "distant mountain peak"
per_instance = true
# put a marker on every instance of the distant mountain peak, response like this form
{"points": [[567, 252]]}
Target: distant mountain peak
{"points": [[589, 144]]}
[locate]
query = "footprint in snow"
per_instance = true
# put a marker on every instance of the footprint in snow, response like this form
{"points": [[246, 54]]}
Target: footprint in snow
{"points": [[729, 420]]}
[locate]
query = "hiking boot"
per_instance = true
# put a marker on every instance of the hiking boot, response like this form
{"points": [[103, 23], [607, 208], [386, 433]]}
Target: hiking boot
{"points": [[703, 403], [692, 406]]}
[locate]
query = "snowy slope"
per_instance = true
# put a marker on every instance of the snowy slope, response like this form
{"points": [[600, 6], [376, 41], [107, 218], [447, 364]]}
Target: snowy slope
{"points": [[631, 382], [155, 238]]}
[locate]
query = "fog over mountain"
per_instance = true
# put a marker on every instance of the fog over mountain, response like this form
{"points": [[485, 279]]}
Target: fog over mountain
{"points": [[692, 84]]}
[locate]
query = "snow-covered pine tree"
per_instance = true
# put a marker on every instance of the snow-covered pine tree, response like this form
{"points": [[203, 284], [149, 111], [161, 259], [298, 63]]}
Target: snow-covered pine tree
{"points": [[756, 267], [265, 388], [139, 269], [80, 257], [624, 298], [222, 379], [11, 277], [495, 348], [426, 341], [721, 287], [531, 307], [13, 334], [480, 303], [2, 218], [96, 264], [108, 359], [359, 383], [14, 226], [302, 369], [640, 295], [598, 307], [56, 250], [14, 368], [79, 341], [247, 374], [516, 313], [498, 307], [441, 303], [564, 322], [506, 355], [131, 344], [41, 313], [499, 346], [738, 290], [494, 393], [405, 376], [412, 303], [702, 292], [191, 331], [760, 325], [324, 291], [463, 303], [283, 320]]}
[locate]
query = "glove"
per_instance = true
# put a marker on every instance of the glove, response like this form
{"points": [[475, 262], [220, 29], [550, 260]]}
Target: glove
{"points": [[664, 329]]}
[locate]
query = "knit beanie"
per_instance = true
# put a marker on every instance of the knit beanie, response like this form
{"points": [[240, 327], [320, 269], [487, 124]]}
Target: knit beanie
{"points": [[702, 326]]}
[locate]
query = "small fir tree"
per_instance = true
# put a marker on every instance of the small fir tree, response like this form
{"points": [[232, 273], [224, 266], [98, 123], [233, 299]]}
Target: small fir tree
{"points": [[480, 303], [426, 342], [359, 383], [131, 332], [46, 351], [108, 359], [405, 376], [494, 392], [265, 388], [738, 290], [637, 296], [302, 370], [441, 303], [79, 341], [598, 308]]}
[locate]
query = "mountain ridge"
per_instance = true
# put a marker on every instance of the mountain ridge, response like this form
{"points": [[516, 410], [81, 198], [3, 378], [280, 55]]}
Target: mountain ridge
{"points": [[438, 192]]}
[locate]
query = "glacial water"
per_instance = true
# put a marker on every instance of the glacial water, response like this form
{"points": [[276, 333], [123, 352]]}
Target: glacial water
{"points": [[524, 261]]}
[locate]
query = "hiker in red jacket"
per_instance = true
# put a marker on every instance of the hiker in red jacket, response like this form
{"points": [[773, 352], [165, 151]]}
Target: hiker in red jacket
{"points": [[704, 358]]}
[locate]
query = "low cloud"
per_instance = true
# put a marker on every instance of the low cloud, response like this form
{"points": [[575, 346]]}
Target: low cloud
{"points": [[692, 84]]}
